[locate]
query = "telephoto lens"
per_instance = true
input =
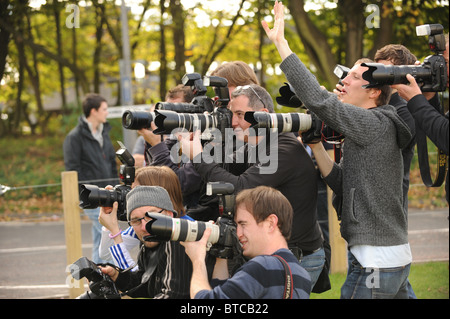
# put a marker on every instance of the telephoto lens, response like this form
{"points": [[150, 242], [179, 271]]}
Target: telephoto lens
{"points": [[166, 121], [136, 120], [283, 122], [164, 228]]}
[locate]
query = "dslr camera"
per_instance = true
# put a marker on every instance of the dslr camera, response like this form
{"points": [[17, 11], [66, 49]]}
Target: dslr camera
{"points": [[101, 286], [201, 113], [314, 130], [223, 239], [91, 196], [205, 113], [431, 75]]}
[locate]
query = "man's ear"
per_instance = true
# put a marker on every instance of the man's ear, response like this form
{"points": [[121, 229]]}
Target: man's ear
{"points": [[374, 93], [272, 219]]}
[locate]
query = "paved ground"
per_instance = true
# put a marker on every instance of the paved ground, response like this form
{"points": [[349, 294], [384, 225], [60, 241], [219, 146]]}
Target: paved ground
{"points": [[33, 254]]}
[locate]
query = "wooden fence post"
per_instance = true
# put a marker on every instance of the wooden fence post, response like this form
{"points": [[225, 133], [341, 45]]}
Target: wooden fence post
{"points": [[72, 227], [338, 244]]}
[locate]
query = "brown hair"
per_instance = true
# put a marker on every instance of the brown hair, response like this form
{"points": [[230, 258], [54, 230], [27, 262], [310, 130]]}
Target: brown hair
{"points": [[180, 89], [396, 53], [263, 201], [237, 73], [165, 177]]}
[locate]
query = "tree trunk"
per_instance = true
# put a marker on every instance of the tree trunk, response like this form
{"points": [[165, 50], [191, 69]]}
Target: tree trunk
{"points": [[315, 43], [176, 10]]}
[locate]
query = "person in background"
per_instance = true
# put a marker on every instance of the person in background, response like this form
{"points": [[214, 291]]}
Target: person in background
{"points": [[88, 150]]}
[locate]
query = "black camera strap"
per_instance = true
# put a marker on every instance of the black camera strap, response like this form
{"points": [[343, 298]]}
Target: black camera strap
{"points": [[288, 289], [424, 165]]}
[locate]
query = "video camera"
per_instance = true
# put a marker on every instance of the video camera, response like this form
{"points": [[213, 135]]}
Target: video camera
{"points": [[91, 196], [101, 286], [223, 238], [431, 75]]}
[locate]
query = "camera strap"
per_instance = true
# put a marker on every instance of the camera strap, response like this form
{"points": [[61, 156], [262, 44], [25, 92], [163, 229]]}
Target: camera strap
{"points": [[289, 280], [422, 152]]}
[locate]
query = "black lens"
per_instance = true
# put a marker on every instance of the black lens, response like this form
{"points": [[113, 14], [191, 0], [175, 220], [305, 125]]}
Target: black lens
{"points": [[136, 120], [91, 196], [179, 107], [379, 74]]}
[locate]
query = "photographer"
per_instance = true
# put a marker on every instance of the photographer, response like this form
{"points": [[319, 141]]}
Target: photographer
{"points": [[369, 177], [423, 108], [277, 160], [164, 268], [263, 217], [118, 244]]}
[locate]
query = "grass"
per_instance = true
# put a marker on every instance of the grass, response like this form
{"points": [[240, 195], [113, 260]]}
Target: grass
{"points": [[429, 281]]}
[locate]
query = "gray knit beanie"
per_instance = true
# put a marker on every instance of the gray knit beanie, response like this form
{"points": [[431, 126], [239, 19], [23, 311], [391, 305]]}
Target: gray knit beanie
{"points": [[148, 196]]}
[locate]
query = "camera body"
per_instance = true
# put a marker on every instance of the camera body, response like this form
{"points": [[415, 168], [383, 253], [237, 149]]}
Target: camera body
{"points": [[223, 238], [203, 113], [91, 196], [431, 75], [101, 286]]}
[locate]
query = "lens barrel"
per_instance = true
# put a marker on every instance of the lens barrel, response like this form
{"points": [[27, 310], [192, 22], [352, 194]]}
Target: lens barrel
{"points": [[136, 120], [91, 196], [166, 121], [283, 122], [164, 228]]}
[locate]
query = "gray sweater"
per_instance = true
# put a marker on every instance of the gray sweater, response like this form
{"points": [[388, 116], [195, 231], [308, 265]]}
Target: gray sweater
{"points": [[369, 176]]}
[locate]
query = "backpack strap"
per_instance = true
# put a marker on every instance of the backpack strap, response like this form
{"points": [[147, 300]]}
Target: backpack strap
{"points": [[288, 289]]}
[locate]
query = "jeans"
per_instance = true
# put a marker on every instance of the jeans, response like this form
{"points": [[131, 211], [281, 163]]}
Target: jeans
{"points": [[313, 264], [96, 234], [375, 283]]}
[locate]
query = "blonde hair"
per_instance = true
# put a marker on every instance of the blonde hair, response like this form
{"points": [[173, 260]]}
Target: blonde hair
{"points": [[237, 73]]}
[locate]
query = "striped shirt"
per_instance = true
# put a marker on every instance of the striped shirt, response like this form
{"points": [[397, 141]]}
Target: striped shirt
{"points": [[263, 277]]}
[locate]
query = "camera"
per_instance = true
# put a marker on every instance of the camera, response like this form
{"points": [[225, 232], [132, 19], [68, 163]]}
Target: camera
{"points": [[431, 75], [101, 286], [223, 238], [204, 113], [91, 196], [136, 120], [314, 130]]}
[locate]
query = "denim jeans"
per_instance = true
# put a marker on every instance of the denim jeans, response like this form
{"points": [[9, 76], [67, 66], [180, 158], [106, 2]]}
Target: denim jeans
{"points": [[96, 234], [313, 264], [374, 283]]}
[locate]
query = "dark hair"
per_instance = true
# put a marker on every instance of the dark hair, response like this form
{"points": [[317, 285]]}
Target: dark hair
{"points": [[263, 201], [92, 101], [397, 54]]}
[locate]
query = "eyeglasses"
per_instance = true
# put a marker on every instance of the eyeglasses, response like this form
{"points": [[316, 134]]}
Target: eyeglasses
{"points": [[245, 87], [146, 218]]}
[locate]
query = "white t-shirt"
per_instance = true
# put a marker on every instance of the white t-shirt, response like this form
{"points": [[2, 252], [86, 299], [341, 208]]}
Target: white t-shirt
{"points": [[382, 256]]}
